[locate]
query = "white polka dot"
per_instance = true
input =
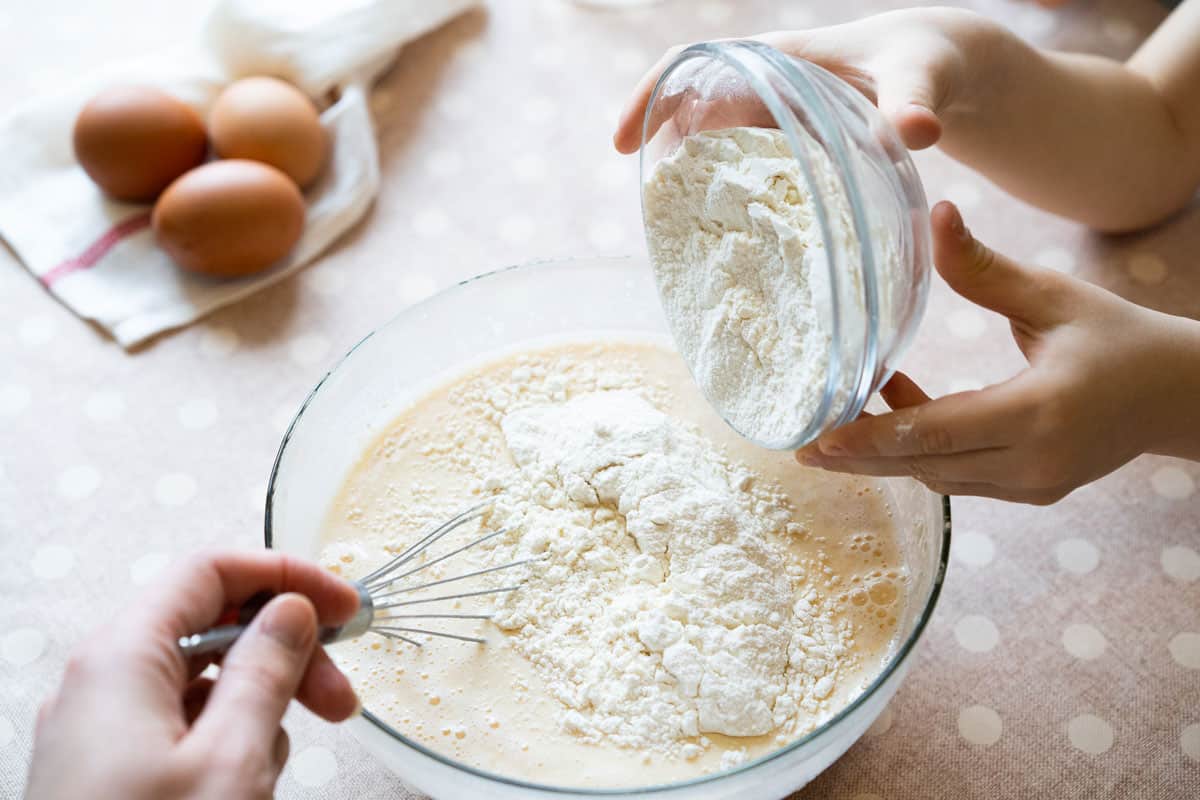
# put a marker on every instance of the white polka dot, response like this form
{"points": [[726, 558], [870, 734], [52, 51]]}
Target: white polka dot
{"points": [[1090, 734], [529, 167], [1077, 555], [608, 114], [976, 634], [796, 17], [964, 385], [313, 766], [105, 405], [197, 414], [414, 287], [979, 725], [308, 349], [1172, 483], [34, 331], [1084, 641], [1181, 563], [538, 110], [612, 174], [1185, 649], [605, 234], [281, 420], [444, 163], [52, 561], [325, 279], [975, 549], [630, 61], [22, 646], [1119, 31], [1038, 21], [966, 323], [174, 489], [454, 105], [258, 499], [14, 398], [430, 223], [218, 342], [714, 12], [548, 55], [964, 195], [7, 732], [144, 568], [882, 723], [1147, 268], [516, 229], [1189, 740], [78, 482], [1055, 258]]}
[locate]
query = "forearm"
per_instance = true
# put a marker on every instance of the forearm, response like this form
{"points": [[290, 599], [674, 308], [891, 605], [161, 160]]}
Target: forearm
{"points": [[1176, 415], [1081, 136]]}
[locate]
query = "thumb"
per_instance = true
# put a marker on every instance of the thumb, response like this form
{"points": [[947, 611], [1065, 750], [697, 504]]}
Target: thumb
{"points": [[1028, 295], [909, 100], [259, 677]]}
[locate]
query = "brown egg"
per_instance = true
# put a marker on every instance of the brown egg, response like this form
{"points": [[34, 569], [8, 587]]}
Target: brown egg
{"points": [[267, 120], [228, 219], [134, 140]]}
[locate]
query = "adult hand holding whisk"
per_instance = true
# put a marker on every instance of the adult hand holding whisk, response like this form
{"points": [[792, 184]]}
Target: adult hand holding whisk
{"points": [[132, 718]]}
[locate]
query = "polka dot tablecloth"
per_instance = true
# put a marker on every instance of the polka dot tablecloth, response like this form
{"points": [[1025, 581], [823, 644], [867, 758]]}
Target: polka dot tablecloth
{"points": [[1064, 659]]}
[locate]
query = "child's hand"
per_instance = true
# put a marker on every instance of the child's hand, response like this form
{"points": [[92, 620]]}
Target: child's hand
{"points": [[1115, 146], [910, 63], [132, 719], [1107, 380]]}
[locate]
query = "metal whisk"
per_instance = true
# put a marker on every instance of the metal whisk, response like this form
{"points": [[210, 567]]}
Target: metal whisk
{"points": [[384, 584]]}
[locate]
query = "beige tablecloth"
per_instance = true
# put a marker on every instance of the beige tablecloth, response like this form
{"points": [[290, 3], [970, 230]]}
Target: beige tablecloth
{"points": [[1064, 659]]}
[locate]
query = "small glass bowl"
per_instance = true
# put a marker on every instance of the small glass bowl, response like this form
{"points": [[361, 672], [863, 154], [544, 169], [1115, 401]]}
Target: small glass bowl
{"points": [[475, 322], [872, 296]]}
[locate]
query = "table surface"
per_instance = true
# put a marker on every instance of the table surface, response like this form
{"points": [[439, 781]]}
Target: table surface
{"points": [[1064, 659]]}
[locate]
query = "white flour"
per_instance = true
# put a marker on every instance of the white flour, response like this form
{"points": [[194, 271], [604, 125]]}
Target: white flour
{"points": [[741, 269], [687, 582], [666, 606]]}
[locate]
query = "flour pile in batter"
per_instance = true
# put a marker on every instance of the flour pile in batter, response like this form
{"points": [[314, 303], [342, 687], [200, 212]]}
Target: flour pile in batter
{"points": [[665, 609]]}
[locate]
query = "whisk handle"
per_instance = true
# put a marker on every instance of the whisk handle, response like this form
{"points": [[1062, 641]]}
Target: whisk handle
{"points": [[216, 640], [222, 637]]}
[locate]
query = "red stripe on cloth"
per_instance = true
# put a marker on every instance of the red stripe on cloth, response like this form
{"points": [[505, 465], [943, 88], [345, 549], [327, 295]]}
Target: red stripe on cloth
{"points": [[97, 249]]}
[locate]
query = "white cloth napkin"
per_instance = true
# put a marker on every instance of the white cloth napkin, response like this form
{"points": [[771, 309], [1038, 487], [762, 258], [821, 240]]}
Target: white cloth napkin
{"points": [[98, 256]]}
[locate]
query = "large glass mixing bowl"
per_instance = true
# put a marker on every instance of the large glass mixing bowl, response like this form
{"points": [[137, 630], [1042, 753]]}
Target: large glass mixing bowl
{"points": [[494, 313]]}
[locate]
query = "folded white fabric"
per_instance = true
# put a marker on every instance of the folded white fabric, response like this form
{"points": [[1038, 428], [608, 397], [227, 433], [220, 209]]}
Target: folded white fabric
{"points": [[98, 256]]}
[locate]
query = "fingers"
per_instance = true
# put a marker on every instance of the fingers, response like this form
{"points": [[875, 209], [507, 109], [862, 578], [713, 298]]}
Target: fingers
{"points": [[628, 137], [909, 100], [261, 674], [194, 595], [1029, 296], [958, 423], [281, 750], [325, 691], [1037, 497], [978, 466], [902, 392], [195, 697]]}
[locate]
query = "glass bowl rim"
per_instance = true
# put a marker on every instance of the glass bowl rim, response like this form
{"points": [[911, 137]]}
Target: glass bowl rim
{"points": [[901, 655]]}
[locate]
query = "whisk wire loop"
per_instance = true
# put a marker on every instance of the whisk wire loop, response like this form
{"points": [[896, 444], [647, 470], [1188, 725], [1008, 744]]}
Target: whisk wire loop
{"points": [[380, 585]]}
